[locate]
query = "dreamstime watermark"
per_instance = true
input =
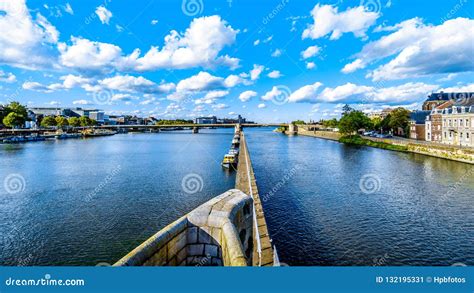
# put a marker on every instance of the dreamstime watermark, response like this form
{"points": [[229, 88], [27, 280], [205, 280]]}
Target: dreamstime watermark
{"points": [[370, 183], [192, 183], [462, 99], [14, 183], [371, 5], [380, 261], [103, 97], [282, 95], [453, 11], [104, 183], [192, 7], [287, 177], [103, 264], [47, 280], [275, 11]]}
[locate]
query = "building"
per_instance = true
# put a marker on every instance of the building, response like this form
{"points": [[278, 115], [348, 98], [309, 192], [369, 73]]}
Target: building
{"points": [[417, 124], [66, 112], [97, 116], [458, 124], [205, 120], [433, 123]]}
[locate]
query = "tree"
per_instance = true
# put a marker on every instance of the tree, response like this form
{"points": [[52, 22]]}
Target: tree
{"points": [[74, 121], [13, 120], [48, 121], [399, 118], [376, 123], [333, 123], [352, 121], [346, 109], [17, 108], [298, 122], [61, 121], [86, 121]]}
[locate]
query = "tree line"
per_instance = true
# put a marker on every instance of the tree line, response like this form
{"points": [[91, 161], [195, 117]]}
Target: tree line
{"points": [[353, 120], [15, 115]]}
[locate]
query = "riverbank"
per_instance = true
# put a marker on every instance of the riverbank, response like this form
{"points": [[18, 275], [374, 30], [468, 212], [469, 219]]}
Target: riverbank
{"points": [[448, 152]]}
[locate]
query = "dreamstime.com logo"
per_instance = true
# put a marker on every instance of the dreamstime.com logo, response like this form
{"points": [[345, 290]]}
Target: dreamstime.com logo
{"points": [[43, 282], [14, 183], [282, 93], [370, 183], [192, 183], [192, 7]]}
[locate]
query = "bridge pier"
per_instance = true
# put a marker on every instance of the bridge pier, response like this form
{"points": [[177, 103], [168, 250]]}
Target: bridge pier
{"points": [[195, 130], [292, 129]]}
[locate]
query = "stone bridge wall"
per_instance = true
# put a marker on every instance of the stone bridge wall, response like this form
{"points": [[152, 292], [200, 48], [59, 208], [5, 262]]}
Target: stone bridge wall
{"points": [[245, 181], [219, 232]]}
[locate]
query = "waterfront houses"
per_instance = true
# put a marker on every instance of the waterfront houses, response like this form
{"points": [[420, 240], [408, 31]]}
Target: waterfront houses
{"points": [[433, 123], [458, 125]]}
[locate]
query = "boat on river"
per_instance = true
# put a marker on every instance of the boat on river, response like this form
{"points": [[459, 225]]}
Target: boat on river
{"points": [[229, 161]]}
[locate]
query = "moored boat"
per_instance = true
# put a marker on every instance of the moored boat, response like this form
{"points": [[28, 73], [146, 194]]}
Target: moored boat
{"points": [[229, 161]]}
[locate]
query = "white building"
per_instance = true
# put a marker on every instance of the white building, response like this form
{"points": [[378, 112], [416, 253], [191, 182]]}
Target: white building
{"points": [[458, 126]]}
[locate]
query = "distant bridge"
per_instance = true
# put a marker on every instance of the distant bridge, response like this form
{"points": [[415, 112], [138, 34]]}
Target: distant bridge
{"points": [[195, 127]]}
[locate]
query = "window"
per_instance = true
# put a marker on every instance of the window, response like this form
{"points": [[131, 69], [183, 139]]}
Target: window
{"points": [[467, 136]]}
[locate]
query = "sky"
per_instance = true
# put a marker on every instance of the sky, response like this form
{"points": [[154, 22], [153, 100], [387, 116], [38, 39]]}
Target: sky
{"points": [[269, 61]]}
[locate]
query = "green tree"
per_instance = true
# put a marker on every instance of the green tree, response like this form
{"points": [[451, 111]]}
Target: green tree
{"points": [[352, 121], [61, 121], [17, 108], [332, 123], [48, 121], [86, 121], [298, 122], [346, 109], [399, 118], [376, 123], [74, 121], [13, 120]]}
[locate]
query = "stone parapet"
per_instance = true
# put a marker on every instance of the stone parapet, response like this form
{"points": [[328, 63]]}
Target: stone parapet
{"points": [[219, 232]]}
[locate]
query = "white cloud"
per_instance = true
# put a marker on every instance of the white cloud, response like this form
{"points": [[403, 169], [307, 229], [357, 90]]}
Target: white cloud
{"points": [[82, 102], [89, 56], [199, 46], [154, 22], [274, 94], [203, 81], [261, 106], [7, 77], [104, 14], [211, 97], [469, 88], [132, 84], [352, 93], [310, 65], [420, 50], [274, 74], [25, 42], [310, 52], [123, 98], [256, 43], [256, 71], [306, 93], [247, 95], [268, 39], [220, 106], [68, 9], [327, 20], [276, 53]]}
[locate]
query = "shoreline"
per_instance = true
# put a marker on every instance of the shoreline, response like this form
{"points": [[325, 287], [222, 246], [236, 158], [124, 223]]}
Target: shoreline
{"points": [[447, 152]]}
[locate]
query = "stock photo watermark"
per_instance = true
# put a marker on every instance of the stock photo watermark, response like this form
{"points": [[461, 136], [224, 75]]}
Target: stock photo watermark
{"points": [[192, 7], [14, 183], [370, 183], [192, 183]]}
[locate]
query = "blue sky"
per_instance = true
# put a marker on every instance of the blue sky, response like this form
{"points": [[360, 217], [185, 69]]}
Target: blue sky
{"points": [[270, 61]]}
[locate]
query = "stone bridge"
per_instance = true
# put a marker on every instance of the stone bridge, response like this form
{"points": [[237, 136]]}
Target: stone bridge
{"points": [[228, 230]]}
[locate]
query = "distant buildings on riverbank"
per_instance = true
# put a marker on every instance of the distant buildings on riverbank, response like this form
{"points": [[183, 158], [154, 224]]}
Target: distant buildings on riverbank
{"points": [[448, 119], [215, 120]]}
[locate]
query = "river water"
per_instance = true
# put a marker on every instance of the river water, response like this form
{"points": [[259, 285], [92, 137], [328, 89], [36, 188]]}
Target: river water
{"points": [[88, 202], [327, 203]]}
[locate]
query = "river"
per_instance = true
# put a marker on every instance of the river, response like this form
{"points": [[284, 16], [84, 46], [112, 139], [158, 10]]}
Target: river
{"points": [[91, 201]]}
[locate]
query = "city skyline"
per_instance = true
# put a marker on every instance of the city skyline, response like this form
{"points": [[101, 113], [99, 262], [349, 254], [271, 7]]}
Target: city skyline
{"points": [[291, 61]]}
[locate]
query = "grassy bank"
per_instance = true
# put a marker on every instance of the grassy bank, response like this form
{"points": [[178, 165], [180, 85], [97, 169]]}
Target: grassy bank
{"points": [[357, 140]]}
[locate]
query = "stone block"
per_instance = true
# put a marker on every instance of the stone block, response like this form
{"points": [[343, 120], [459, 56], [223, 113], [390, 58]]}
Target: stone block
{"points": [[211, 250], [195, 250], [203, 236], [192, 235], [176, 244]]}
